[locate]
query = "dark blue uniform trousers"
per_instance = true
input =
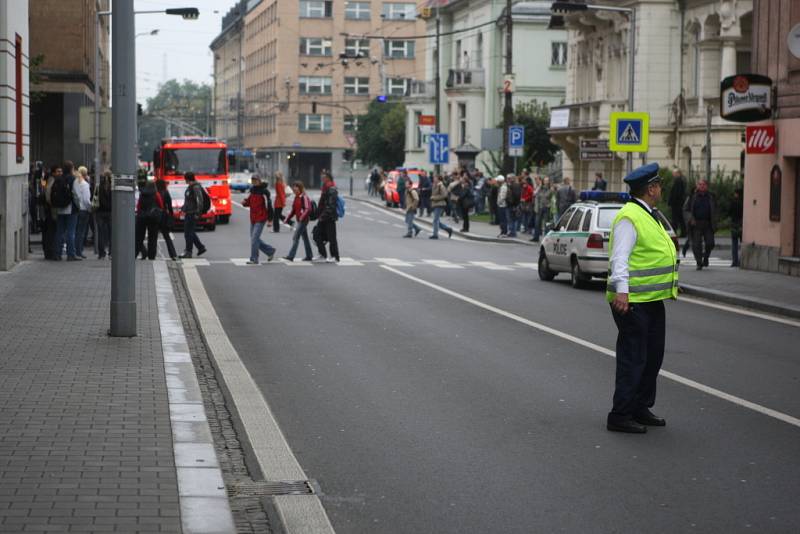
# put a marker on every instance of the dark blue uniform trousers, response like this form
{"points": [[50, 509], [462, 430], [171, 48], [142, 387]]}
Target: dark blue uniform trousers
{"points": [[640, 352]]}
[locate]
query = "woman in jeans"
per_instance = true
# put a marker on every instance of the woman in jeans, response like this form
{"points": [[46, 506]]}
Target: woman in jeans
{"points": [[438, 202], [301, 210]]}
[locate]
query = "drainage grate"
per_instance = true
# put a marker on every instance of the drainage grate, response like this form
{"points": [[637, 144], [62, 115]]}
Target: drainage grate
{"points": [[256, 489]]}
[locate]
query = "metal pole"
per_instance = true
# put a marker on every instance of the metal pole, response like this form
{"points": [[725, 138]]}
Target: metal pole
{"points": [[709, 111], [123, 156], [97, 169], [508, 110], [437, 167], [631, 64]]}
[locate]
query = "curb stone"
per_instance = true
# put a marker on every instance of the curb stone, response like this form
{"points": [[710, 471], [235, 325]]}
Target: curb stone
{"points": [[744, 302]]}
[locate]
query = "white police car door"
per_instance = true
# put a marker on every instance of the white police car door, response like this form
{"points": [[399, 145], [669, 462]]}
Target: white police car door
{"points": [[557, 255]]}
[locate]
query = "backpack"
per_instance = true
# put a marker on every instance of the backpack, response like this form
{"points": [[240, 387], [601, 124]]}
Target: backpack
{"points": [[61, 193], [313, 213], [149, 209], [339, 207], [206, 207]]}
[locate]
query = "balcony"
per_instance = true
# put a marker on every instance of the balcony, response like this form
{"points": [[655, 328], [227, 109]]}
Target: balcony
{"points": [[420, 89], [465, 79], [584, 116]]}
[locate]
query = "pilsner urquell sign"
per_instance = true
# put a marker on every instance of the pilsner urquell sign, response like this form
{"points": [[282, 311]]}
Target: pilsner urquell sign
{"points": [[746, 98]]}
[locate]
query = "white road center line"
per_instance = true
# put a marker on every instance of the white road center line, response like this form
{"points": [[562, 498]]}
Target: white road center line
{"points": [[602, 350], [443, 264], [275, 458], [492, 266], [526, 265]]}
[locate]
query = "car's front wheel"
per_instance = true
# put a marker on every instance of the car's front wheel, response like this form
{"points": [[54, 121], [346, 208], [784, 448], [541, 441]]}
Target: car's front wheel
{"points": [[544, 268]]}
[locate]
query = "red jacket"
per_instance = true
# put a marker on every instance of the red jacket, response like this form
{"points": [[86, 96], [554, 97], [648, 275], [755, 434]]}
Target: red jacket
{"points": [[280, 196], [301, 208], [257, 202], [527, 193]]}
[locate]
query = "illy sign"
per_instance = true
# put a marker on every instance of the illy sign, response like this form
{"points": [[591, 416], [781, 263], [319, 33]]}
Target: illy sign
{"points": [[761, 139]]}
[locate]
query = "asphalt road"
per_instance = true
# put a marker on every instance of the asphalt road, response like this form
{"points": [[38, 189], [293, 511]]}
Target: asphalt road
{"points": [[417, 411]]}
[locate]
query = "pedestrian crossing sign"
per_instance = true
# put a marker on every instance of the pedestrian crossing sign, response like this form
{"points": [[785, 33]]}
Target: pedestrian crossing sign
{"points": [[629, 131]]}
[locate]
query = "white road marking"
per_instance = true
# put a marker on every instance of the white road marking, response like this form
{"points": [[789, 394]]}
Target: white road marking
{"points": [[195, 262], [492, 266], [356, 216], [295, 263], [272, 452], [794, 421], [349, 262], [242, 262], [527, 265], [443, 264], [394, 262], [382, 222], [741, 311]]}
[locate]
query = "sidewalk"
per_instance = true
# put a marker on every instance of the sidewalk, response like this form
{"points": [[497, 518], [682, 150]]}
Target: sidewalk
{"points": [[86, 436], [768, 292]]}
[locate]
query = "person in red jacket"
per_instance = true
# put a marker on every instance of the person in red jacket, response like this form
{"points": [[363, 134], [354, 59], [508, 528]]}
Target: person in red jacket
{"points": [[301, 209], [260, 207], [280, 201], [526, 203]]}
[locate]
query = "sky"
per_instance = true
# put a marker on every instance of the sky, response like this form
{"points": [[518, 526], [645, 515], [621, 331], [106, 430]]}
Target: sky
{"points": [[180, 48]]}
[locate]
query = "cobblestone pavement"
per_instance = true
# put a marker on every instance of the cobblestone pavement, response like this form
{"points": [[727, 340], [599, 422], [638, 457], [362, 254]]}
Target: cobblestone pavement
{"points": [[85, 439]]}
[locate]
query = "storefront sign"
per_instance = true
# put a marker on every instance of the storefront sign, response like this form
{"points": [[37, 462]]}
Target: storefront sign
{"points": [[761, 139], [746, 98], [427, 120]]}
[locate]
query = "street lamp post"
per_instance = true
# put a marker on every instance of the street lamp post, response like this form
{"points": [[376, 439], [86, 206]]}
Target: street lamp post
{"points": [[568, 7], [123, 157]]}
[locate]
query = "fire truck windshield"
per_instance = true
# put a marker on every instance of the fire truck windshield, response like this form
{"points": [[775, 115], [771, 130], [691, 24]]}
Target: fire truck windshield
{"points": [[196, 160]]}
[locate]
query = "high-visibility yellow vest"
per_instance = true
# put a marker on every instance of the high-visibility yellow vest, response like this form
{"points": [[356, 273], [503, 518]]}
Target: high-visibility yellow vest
{"points": [[653, 263]]}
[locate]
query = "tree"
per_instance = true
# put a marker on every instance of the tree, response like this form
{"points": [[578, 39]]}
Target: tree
{"points": [[535, 117], [381, 135], [180, 108]]}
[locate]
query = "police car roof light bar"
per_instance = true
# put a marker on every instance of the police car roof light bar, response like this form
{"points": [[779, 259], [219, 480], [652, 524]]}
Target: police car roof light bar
{"points": [[604, 196]]}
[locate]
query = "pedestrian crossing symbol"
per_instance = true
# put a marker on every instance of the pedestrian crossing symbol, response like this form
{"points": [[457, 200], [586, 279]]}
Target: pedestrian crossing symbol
{"points": [[629, 131]]}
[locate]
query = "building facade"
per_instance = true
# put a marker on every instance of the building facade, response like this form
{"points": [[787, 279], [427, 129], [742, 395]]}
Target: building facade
{"points": [[228, 76], [683, 49], [771, 233], [472, 66], [63, 44], [14, 132], [310, 70]]}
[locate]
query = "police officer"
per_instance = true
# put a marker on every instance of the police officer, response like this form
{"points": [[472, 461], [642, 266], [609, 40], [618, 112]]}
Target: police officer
{"points": [[643, 272]]}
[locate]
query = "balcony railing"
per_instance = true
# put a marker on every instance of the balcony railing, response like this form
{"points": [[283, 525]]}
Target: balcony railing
{"points": [[588, 114], [465, 79], [422, 89]]}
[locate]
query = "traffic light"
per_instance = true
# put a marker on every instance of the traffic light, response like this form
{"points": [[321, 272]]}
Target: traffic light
{"points": [[139, 111]]}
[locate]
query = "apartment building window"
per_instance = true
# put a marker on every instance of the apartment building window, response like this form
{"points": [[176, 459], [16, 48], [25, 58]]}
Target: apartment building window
{"points": [[356, 85], [314, 123], [351, 123], [315, 85], [315, 46], [558, 54], [399, 11], [316, 9], [398, 49], [462, 124], [397, 86], [356, 10], [356, 47]]}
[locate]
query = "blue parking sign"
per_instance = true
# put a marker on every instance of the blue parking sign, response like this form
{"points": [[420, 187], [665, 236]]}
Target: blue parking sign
{"points": [[516, 136], [439, 149]]}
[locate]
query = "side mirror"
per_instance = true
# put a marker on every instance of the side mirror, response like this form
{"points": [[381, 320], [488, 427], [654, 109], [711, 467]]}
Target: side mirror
{"points": [[548, 227]]}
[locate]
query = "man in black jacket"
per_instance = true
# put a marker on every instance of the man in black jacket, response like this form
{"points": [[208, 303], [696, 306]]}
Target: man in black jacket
{"points": [[700, 213], [677, 196], [192, 207], [325, 230]]}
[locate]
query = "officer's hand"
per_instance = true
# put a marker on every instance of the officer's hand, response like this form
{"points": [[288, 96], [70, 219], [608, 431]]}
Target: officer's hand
{"points": [[620, 303]]}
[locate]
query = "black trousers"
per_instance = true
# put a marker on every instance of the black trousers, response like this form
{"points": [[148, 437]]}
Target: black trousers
{"points": [[142, 228], [678, 224], [164, 229], [48, 236], [702, 232], [640, 352], [276, 219], [326, 232]]}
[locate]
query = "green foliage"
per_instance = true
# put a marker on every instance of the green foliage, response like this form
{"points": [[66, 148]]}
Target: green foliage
{"points": [[722, 186], [186, 101], [35, 77], [381, 135], [539, 150]]}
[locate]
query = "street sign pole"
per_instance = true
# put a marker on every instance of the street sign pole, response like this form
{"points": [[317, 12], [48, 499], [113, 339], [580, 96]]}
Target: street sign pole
{"points": [[123, 155]]}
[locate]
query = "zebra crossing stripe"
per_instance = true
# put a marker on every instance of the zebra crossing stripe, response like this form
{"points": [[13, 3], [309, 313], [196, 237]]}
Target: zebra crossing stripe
{"points": [[394, 262], [349, 262], [492, 266], [443, 264]]}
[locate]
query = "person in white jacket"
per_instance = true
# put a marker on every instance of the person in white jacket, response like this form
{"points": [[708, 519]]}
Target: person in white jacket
{"points": [[83, 199], [502, 205]]}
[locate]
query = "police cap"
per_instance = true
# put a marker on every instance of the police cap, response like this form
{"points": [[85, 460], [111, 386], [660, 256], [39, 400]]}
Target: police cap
{"points": [[646, 174]]}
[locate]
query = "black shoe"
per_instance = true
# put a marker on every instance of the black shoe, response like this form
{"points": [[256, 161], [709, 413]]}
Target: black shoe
{"points": [[186, 255], [699, 267], [417, 231], [646, 417], [629, 426], [433, 237], [705, 262], [201, 251], [407, 235], [287, 258], [449, 233]]}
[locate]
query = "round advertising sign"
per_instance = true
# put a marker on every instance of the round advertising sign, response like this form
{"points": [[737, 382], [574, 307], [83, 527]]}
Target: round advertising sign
{"points": [[793, 41], [745, 98]]}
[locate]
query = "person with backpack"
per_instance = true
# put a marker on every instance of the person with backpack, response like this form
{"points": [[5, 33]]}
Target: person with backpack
{"points": [[325, 231], [302, 209], [65, 202], [102, 214], [167, 218], [261, 213], [83, 193], [149, 217], [195, 202]]}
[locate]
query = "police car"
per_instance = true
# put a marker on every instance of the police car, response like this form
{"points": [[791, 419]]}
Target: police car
{"points": [[578, 242]]}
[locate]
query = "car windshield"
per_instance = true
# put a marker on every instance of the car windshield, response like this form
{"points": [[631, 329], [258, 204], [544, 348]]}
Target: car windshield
{"points": [[606, 216], [196, 160]]}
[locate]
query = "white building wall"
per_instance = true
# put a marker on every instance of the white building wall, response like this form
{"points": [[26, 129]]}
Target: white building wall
{"points": [[13, 173]]}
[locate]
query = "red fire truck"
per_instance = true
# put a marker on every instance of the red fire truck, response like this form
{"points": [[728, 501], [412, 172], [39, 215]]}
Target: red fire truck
{"points": [[207, 158]]}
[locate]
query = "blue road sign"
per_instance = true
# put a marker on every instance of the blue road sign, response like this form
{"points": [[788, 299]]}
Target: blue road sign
{"points": [[516, 136], [438, 149]]}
